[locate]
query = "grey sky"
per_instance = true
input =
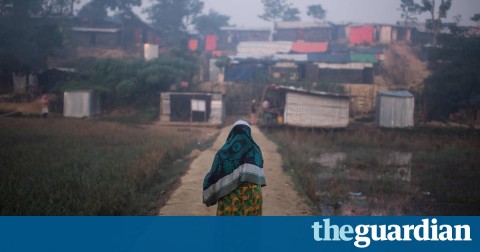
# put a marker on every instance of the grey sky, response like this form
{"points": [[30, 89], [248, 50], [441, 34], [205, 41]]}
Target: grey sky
{"points": [[245, 12]]}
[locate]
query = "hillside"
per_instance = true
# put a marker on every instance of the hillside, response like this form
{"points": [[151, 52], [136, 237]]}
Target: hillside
{"points": [[402, 68]]}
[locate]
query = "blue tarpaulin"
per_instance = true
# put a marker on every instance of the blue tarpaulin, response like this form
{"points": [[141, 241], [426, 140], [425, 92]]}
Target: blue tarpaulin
{"points": [[328, 58]]}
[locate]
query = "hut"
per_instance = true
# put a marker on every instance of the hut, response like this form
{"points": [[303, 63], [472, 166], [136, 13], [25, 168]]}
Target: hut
{"points": [[302, 108], [189, 108], [394, 109], [229, 37], [81, 103], [304, 31]]}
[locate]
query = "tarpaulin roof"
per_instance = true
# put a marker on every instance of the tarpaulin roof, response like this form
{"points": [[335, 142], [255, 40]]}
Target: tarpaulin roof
{"points": [[193, 44], [361, 34], [210, 43], [262, 49], [291, 57], [309, 47], [372, 58], [329, 58]]}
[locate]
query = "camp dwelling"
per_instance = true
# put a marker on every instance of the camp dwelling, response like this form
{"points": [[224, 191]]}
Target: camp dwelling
{"points": [[81, 103], [394, 109], [185, 108], [311, 109]]}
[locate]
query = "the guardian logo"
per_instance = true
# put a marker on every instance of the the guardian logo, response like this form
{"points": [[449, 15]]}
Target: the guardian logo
{"points": [[363, 234]]}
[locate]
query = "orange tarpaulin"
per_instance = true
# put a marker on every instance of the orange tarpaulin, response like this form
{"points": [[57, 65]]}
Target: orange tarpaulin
{"points": [[309, 47], [217, 53], [361, 34], [193, 44], [210, 43]]}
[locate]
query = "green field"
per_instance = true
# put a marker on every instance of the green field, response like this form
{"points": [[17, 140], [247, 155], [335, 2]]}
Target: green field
{"points": [[369, 171], [88, 167]]}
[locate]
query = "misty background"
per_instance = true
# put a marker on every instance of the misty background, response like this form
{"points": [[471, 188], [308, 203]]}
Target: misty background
{"points": [[244, 13]]}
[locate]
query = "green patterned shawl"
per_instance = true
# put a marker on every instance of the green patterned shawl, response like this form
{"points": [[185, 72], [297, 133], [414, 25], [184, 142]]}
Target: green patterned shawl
{"points": [[239, 160]]}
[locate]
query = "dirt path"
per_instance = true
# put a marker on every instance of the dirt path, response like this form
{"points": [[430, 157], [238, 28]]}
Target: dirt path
{"points": [[280, 199]]}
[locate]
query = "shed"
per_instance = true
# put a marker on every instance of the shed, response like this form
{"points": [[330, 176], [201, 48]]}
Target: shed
{"points": [[394, 109], [229, 37], [302, 108], [81, 103], [306, 31], [190, 108]]}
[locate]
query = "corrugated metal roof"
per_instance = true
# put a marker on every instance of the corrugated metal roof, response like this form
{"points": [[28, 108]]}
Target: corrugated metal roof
{"points": [[401, 93], [226, 28], [262, 49], [299, 24], [300, 90], [88, 29], [351, 65], [291, 57]]}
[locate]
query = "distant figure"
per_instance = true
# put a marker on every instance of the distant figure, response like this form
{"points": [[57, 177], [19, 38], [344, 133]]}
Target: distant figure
{"points": [[44, 104], [253, 112], [236, 178]]}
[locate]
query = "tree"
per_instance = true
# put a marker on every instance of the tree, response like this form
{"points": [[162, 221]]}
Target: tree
{"points": [[273, 10], [476, 18], [455, 78], [316, 11], [409, 10], [291, 14], [211, 23], [121, 5], [29, 37], [435, 21], [95, 9], [174, 17]]}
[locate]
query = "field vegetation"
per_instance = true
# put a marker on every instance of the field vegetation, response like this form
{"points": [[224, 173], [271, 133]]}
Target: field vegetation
{"points": [[88, 167], [370, 171]]}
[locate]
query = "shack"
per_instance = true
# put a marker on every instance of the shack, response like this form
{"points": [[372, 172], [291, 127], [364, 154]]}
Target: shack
{"points": [[302, 108], [394, 109], [81, 103], [305, 31], [189, 108]]}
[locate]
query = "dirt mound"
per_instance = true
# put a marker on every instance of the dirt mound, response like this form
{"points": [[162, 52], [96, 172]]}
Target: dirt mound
{"points": [[402, 68]]}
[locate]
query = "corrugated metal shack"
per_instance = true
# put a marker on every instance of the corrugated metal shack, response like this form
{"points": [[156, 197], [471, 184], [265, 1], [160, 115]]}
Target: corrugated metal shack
{"points": [[189, 108], [306, 31], [353, 72], [394, 109], [301, 108], [81, 103], [229, 37]]}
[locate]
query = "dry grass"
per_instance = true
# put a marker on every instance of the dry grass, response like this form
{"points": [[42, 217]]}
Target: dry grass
{"points": [[426, 171], [87, 167]]}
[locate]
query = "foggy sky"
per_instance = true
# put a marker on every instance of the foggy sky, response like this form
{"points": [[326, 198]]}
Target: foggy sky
{"points": [[245, 12]]}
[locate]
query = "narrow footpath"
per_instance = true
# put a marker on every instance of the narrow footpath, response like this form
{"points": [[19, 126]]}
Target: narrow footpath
{"points": [[279, 196]]}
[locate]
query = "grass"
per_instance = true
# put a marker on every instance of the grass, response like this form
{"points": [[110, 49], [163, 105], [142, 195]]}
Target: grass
{"points": [[371, 171], [88, 167]]}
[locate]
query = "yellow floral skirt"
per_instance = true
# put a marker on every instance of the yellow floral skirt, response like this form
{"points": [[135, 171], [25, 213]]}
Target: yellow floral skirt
{"points": [[246, 200]]}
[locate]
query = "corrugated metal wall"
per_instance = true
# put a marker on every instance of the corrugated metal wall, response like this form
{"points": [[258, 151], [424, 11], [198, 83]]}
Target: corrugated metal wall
{"points": [[316, 111], [216, 108], [81, 104], [394, 112]]}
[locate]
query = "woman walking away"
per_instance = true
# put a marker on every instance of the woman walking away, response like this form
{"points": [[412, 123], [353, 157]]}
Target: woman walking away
{"points": [[236, 178]]}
